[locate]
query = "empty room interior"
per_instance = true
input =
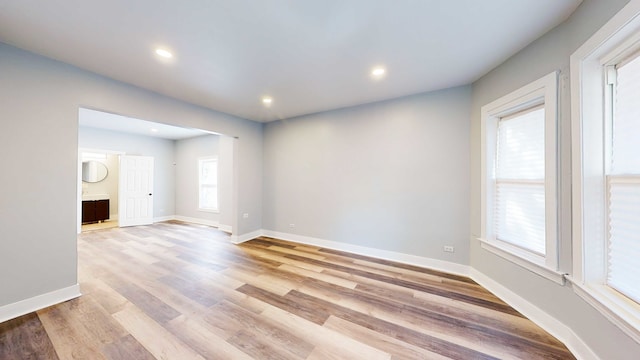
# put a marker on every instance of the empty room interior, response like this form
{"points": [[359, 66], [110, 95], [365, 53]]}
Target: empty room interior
{"points": [[320, 179]]}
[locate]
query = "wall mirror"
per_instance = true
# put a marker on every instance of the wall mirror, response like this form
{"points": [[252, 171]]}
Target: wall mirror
{"points": [[94, 171]]}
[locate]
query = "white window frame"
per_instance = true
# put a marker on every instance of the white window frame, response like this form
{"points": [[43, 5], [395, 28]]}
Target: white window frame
{"points": [[540, 92], [201, 160], [618, 38]]}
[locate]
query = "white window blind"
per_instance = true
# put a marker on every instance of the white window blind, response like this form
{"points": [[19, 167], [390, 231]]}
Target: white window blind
{"points": [[520, 180], [623, 180]]}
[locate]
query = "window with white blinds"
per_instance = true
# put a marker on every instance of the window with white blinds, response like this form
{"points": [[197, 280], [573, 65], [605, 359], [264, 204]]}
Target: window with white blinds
{"points": [[519, 180], [605, 174], [519, 186], [623, 182]]}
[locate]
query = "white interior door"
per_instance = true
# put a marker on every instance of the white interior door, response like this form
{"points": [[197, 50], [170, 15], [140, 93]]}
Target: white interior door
{"points": [[136, 190]]}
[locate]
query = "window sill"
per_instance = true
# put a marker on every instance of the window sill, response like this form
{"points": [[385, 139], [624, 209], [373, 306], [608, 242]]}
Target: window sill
{"points": [[623, 312], [525, 260]]}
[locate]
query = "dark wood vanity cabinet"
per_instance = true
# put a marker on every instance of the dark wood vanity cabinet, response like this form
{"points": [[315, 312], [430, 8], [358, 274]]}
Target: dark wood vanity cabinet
{"points": [[95, 210]]}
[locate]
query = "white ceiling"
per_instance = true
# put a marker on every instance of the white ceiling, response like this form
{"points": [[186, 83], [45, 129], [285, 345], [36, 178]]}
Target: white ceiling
{"points": [[309, 56], [102, 120]]}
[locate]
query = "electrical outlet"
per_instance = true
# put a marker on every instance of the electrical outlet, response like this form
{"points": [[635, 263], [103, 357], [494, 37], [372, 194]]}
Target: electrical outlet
{"points": [[448, 249], [245, 215], [292, 225]]}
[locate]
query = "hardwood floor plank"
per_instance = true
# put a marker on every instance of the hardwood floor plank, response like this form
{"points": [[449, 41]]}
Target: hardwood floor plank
{"points": [[311, 314], [155, 338], [400, 349], [69, 338], [457, 330], [508, 324], [499, 306], [196, 291], [93, 321], [259, 327], [126, 348], [399, 265], [319, 276], [109, 299], [204, 339], [259, 348], [253, 280], [330, 341], [141, 258], [432, 343], [25, 338], [268, 253], [150, 304]]}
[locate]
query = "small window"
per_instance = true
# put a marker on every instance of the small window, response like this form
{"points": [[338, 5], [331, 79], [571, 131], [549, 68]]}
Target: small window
{"points": [[519, 196], [208, 184]]}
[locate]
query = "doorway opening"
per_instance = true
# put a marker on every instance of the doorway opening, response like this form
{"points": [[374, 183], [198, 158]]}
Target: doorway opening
{"points": [[174, 174]]}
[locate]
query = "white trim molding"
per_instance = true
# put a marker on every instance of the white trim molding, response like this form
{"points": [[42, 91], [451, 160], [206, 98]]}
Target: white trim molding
{"points": [[616, 308], [542, 92], [440, 265], [164, 218], [529, 264], [190, 220], [36, 303], [225, 228], [566, 335], [239, 239], [196, 220]]}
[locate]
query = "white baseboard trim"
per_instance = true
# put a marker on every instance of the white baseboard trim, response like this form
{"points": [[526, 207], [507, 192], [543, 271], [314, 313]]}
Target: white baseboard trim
{"points": [[196, 220], [225, 228], [12, 311], [553, 326], [434, 264], [163, 218], [239, 239]]}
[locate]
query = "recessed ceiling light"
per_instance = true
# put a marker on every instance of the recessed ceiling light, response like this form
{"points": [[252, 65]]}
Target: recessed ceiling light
{"points": [[267, 100], [378, 71], [154, 130], [164, 53]]}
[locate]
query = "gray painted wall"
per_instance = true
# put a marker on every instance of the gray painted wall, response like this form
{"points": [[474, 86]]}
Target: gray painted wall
{"points": [[187, 153], [549, 53], [162, 151], [392, 175], [39, 101]]}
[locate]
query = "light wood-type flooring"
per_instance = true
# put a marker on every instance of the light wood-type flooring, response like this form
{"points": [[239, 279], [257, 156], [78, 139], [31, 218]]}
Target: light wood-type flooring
{"points": [[181, 291], [100, 225]]}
